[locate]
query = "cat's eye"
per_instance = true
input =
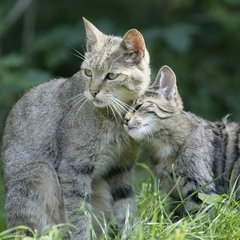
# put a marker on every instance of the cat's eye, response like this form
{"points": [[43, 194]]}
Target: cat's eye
{"points": [[137, 107], [88, 72], [112, 76]]}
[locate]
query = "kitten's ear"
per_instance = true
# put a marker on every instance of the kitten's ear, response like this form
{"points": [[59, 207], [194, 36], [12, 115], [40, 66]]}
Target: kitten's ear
{"points": [[165, 82], [92, 33], [134, 44]]}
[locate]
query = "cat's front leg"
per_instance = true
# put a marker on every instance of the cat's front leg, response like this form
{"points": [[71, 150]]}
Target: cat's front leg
{"points": [[76, 185], [189, 187], [124, 205]]}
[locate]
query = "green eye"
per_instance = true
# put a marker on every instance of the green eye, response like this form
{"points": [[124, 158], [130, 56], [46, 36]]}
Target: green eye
{"points": [[88, 72], [112, 76]]}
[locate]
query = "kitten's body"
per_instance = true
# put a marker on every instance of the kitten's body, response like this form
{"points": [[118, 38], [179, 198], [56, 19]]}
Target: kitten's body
{"points": [[201, 154], [61, 149]]}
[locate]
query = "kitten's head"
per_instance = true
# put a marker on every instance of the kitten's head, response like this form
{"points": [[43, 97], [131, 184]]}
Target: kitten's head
{"points": [[115, 70], [156, 111]]}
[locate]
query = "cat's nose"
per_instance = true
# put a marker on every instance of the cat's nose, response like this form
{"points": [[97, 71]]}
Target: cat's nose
{"points": [[126, 120], [93, 92]]}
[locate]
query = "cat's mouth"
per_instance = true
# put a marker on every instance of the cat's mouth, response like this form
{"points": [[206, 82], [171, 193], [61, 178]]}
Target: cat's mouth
{"points": [[99, 103], [134, 126], [133, 131], [139, 133], [131, 127]]}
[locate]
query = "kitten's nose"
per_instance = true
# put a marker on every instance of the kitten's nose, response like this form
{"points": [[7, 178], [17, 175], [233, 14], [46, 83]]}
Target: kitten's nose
{"points": [[93, 92], [126, 120]]}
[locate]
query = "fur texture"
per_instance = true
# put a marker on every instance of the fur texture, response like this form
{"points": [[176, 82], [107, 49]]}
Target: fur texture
{"points": [[197, 154], [64, 146]]}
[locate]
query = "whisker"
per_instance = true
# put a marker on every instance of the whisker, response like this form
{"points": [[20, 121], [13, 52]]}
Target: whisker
{"points": [[134, 111], [139, 113], [84, 50], [82, 58], [114, 106], [118, 108], [73, 104], [76, 97], [80, 99], [124, 105], [80, 55], [111, 107]]}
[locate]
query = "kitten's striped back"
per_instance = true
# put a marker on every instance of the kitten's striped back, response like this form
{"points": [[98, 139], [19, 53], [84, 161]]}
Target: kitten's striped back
{"points": [[199, 154]]}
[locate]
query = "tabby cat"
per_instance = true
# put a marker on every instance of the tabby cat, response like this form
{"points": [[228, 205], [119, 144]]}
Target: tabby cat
{"points": [[64, 144], [197, 154]]}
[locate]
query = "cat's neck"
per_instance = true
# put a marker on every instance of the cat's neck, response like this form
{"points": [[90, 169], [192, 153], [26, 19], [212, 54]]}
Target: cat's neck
{"points": [[110, 114]]}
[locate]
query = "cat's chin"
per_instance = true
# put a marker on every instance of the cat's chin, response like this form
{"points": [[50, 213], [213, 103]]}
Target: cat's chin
{"points": [[136, 136], [99, 104], [134, 133]]}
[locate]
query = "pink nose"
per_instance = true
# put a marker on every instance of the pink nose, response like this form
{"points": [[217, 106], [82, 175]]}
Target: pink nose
{"points": [[94, 92], [126, 120]]}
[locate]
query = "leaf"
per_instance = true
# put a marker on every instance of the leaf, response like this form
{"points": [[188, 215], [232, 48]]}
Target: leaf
{"points": [[10, 231], [213, 199]]}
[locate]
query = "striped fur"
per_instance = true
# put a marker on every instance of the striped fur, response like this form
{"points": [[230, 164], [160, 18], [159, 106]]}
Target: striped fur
{"points": [[201, 155], [64, 145]]}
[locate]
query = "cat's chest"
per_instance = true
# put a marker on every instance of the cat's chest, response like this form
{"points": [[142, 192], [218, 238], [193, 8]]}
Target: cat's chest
{"points": [[161, 162], [113, 150], [101, 143], [163, 170]]}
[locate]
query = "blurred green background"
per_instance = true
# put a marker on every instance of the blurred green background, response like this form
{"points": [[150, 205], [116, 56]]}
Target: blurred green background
{"points": [[198, 39]]}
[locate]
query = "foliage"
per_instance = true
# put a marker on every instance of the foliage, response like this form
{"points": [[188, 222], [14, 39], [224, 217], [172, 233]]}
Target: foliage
{"points": [[218, 218], [199, 40], [16, 77], [55, 233]]}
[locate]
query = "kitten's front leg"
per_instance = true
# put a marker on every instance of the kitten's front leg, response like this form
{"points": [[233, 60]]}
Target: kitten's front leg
{"points": [[124, 205], [76, 185]]}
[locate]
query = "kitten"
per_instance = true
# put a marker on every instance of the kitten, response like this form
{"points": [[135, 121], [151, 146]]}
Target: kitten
{"points": [[64, 143], [196, 152]]}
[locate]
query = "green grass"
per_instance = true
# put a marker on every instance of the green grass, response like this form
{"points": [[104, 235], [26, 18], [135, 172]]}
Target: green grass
{"points": [[218, 218]]}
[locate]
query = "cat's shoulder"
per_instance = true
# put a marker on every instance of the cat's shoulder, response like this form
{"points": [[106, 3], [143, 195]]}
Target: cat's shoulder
{"points": [[197, 121]]}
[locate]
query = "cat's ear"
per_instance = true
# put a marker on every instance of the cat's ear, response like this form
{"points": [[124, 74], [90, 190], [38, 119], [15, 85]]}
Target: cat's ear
{"points": [[92, 33], [165, 82], [134, 44]]}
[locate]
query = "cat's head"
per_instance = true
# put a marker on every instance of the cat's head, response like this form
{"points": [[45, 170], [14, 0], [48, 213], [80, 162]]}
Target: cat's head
{"points": [[156, 111], [115, 70]]}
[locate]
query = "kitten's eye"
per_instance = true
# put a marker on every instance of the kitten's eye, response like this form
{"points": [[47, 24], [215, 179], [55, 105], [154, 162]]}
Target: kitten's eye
{"points": [[137, 107], [112, 76], [88, 72]]}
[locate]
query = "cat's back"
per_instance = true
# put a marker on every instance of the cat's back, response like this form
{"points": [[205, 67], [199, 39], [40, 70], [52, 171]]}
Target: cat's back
{"points": [[225, 129], [32, 124], [217, 143]]}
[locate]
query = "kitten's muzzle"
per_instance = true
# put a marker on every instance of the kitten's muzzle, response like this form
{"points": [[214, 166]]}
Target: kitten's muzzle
{"points": [[126, 120]]}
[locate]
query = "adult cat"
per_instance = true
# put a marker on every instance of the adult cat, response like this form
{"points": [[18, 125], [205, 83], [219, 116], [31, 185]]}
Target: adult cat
{"points": [[64, 144], [199, 154]]}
